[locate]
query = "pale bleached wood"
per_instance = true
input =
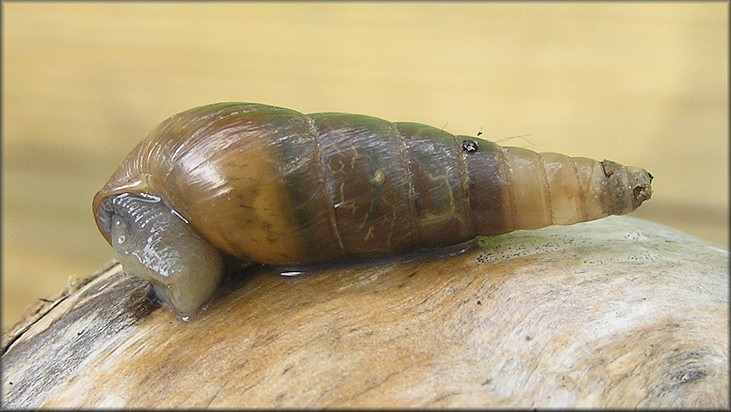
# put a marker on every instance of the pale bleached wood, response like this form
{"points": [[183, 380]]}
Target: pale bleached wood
{"points": [[619, 312]]}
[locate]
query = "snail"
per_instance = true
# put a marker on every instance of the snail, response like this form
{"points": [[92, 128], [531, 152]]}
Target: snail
{"points": [[271, 185]]}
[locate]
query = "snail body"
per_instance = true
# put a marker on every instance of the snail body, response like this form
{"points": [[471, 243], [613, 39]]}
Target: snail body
{"points": [[275, 186]]}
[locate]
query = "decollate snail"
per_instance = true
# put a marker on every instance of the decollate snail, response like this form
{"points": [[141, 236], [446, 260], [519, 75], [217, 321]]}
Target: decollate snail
{"points": [[274, 186]]}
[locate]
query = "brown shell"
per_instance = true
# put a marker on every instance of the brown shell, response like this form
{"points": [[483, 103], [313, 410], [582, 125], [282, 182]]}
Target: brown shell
{"points": [[276, 186]]}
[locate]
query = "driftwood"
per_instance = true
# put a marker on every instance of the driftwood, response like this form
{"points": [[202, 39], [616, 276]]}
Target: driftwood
{"points": [[614, 313]]}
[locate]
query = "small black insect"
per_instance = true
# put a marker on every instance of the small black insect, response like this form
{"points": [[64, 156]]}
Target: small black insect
{"points": [[469, 146]]}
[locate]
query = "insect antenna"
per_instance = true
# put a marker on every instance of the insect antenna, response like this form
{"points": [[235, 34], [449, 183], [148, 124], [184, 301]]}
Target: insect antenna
{"points": [[522, 137]]}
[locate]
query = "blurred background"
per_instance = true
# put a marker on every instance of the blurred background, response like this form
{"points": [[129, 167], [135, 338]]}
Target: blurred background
{"points": [[644, 84]]}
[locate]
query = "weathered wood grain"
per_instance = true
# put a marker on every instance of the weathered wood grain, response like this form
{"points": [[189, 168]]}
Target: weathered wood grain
{"points": [[619, 312]]}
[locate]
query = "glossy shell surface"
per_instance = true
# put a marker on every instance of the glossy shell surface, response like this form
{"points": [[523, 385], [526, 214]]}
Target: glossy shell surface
{"points": [[275, 186]]}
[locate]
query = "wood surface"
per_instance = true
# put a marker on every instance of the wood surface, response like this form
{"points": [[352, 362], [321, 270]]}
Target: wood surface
{"points": [[643, 84], [618, 313]]}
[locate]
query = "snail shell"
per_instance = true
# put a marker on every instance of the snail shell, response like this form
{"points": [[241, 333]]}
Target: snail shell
{"points": [[274, 186]]}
